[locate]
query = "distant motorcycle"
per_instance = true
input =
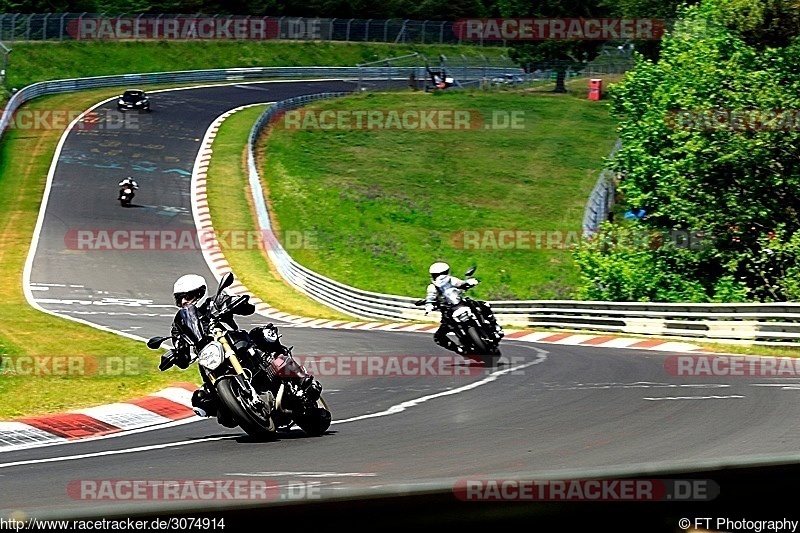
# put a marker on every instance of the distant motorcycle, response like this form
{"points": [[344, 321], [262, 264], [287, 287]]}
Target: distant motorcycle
{"points": [[126, 195], [472, 321], [261, 392]]}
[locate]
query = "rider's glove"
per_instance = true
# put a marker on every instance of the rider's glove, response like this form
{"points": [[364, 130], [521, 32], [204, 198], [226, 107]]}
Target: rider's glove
{"points": [[428, 308], [183, 361]]}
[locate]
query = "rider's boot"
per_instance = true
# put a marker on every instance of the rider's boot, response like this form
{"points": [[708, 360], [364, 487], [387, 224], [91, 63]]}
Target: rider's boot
{"points": [[204, 403]]}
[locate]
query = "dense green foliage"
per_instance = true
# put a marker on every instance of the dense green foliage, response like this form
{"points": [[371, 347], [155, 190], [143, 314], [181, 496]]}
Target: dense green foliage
{"points": [[710, 137]]}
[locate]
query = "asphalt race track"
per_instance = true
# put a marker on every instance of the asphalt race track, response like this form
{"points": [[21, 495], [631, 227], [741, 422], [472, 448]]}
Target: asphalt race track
{"points": [[402, 449]]}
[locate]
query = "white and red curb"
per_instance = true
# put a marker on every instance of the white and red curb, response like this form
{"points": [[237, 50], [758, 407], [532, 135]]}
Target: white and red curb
{"points": [[167, 406]]}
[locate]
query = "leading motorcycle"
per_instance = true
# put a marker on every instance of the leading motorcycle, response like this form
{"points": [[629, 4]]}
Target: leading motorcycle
{"points": [[126, 195], [472, 321], [261, 392]]}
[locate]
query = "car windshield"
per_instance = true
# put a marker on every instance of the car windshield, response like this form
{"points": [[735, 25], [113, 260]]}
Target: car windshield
{"points": [[133, 95]]}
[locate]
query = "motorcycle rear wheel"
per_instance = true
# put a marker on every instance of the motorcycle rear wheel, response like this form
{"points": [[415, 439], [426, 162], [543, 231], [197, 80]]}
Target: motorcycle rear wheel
{"points": [[233, 398]]}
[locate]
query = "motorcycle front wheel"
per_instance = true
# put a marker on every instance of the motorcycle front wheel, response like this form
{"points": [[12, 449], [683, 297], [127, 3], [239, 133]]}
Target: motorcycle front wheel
{"points": [[490, 357], [477, 341], [235, 399]]}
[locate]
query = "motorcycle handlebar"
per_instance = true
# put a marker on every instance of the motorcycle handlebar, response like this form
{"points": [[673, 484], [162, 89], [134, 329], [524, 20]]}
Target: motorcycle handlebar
{"points": [[230, 307]]}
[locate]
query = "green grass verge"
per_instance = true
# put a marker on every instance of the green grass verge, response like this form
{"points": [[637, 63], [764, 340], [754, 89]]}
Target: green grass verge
{"points": [[230, 204], [382, 204], [32, 62]]}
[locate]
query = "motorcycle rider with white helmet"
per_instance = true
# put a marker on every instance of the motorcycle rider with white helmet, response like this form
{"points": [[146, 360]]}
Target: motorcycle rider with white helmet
{"points": [[127, 182], [434, 295], [191, 289]]}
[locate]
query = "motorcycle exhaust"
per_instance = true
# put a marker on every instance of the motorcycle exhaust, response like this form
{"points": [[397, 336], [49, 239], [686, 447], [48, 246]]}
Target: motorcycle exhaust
{"points": [[279, 398]]}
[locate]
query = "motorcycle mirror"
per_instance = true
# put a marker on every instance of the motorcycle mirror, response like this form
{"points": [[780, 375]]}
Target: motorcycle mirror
{"points": [[155, 342], [470, 271], [225, 282], [419, 302]]}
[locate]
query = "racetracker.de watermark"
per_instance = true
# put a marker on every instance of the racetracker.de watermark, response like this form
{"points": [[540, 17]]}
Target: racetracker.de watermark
{"points": [[400, 119], [734, 119], [731, 365], [60, 119], [182, 240], [521, 239], [375, 365], [188, 490], [69, 365], [586, 490], [541, 29], [179, 28]]}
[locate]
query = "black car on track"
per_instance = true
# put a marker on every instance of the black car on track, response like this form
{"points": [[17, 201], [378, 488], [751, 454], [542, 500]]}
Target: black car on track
{"points": [[133, 100]]}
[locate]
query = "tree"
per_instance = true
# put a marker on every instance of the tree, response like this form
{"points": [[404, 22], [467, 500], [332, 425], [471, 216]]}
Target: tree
{"points": [[710, 136], [560, 55], [661, 10]]}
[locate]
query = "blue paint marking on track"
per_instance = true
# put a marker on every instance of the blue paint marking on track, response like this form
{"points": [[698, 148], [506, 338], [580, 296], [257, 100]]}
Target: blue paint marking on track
{"points": [[177, 171]]}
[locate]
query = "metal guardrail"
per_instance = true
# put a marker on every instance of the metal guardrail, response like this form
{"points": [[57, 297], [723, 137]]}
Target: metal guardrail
{"points": [[365, 76], [777, 324], [601, 200], [754, 323]]}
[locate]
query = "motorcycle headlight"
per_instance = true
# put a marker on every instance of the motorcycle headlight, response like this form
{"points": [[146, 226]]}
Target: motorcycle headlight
{"points": [[461, 314], [212, 355]]}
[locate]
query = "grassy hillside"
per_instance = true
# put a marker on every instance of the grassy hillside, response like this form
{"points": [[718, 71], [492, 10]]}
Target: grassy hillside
{"points": [[30, 62], [383, 203]]}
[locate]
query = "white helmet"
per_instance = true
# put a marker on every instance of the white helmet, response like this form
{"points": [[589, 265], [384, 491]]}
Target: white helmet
{"points": [[190, 286], [439, 269]]}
